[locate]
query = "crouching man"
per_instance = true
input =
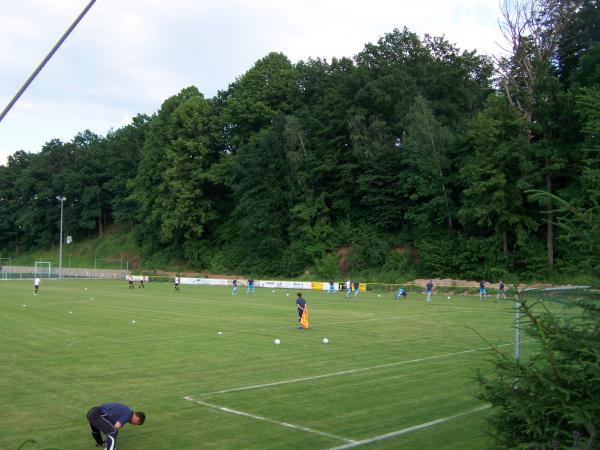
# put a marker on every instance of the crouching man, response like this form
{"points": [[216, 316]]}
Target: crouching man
{"points": [[109, 418]]}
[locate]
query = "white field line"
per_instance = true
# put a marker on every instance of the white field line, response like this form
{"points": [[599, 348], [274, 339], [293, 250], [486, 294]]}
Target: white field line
{"points": [[346, 372], [264, 419], [385, 436], [86, 299]]}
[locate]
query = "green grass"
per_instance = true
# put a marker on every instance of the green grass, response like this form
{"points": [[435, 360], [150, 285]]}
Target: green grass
{"points": [[113, 251], [70, 349]]}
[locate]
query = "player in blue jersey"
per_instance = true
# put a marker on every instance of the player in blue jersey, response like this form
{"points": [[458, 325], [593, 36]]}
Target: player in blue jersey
{"points": [[501, 289], [400, 293], [356, 286], [482, 290], [234, 283], [109, 418], [331, 289], [429, 290], [251, 288]]}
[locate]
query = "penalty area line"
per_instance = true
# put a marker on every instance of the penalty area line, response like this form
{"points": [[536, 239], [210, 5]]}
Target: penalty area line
{"points": [[334, 374], [393, 434], [350, 371], [265, 419]]}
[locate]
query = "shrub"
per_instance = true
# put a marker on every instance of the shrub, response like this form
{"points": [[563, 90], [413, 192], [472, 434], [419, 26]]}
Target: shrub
{"points": [[551, 400]]}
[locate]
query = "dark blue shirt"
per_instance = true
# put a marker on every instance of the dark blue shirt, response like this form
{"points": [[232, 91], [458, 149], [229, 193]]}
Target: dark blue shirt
{"points": [[117, 412], [251, 282], [235, 282], [429, 286], [501, 286], [356, 285], [482, 284], [300, 303]]}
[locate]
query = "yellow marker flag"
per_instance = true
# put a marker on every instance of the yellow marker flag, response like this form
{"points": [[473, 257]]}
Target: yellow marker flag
{"points": [[304, 318]]}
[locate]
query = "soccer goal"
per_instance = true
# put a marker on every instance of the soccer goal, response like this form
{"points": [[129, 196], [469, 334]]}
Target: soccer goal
{"points": [[43, 269], [4, 262]]}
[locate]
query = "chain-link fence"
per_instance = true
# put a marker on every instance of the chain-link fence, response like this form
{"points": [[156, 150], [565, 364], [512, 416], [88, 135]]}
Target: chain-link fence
{"points": [[30, 272]]}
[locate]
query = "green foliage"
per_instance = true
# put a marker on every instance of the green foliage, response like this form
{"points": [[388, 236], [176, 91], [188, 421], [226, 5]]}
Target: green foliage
{"points": [[493, 199], [427, 143], [262, 189], [399, 267], [409, 142], [436, 256], [550, 400], [268, 89], [582, 229], [174, 187], [328, 266], [367, 250]]}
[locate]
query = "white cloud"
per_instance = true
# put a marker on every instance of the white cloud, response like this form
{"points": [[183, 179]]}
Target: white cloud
{"points": [[125, 58]]}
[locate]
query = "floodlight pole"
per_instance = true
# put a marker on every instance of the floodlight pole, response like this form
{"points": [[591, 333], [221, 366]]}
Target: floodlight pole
{"points": [[62, 200]]}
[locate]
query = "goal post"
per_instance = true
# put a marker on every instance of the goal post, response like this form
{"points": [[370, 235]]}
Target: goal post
{"points": [[42, 269]]}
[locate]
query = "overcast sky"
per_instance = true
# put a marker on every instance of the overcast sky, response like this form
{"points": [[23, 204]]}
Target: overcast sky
{"points": [[127, 56]]}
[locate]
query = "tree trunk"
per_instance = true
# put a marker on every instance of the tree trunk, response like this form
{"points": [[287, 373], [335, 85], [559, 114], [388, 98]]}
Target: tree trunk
{"points": [[550, 219], [100, 224]]}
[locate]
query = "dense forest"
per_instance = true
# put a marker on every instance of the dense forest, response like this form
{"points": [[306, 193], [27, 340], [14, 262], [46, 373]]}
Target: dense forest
{"points": [[411, 158]]}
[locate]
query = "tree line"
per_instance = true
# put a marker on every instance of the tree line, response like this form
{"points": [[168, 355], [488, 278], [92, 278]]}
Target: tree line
{"points": [[411, 158]]}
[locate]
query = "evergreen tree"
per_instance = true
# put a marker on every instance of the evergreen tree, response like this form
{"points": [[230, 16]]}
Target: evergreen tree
{"points": [[495, 177], [263, 192]]}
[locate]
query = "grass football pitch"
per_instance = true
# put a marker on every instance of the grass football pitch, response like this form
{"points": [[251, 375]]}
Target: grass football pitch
{"points": [[394, 375]]}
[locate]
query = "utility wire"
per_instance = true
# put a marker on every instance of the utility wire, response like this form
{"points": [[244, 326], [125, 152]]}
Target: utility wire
{"points": [[46, 59]]}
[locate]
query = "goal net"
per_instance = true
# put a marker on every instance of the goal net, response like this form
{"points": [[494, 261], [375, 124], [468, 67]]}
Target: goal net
{"points": [[43, 269]]}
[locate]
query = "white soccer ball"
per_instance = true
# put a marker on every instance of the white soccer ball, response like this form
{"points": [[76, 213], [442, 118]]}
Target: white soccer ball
{"points": [[85, 289], [70, 312], [276, 342], [273, 291], [288, 294], [325, 341], [448, 297], [133, 321], [378, 295], [220, 332]]}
